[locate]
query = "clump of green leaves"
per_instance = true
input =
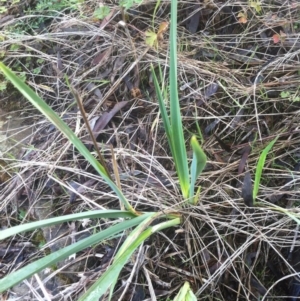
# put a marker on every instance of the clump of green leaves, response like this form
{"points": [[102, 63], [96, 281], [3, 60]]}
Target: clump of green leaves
{"points": [[291, 97], [44, 5], [249, 194], [3, 85], [4, 5], [256, 4], [127, 4], [140, 223], [31, 25], [101, 12], [174, 127], [48, 9], [3, 9]]}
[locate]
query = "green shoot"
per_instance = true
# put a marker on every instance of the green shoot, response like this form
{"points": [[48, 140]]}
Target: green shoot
{"points": [[173, 123], [260, 166]]}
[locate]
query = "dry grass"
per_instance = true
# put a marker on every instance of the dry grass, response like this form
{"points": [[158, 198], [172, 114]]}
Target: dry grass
{"points": [[226, 251]]}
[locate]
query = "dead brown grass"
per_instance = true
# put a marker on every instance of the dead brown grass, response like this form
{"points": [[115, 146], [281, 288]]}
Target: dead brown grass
{"points": [[231, 79]]}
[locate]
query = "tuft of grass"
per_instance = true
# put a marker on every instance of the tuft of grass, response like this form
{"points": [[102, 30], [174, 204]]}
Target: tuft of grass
{"points": [[173, 124], [142, 221]]}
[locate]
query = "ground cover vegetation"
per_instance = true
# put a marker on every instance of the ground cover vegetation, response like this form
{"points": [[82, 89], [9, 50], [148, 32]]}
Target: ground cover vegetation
{"points": [[167, 165]]}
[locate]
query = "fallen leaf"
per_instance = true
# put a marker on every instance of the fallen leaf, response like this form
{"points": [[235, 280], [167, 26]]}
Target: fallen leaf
{"points": [[101, 57], [211, 126], [194, 20], [247, 191], [210, 90], [246, 152], [279, 37], [256, 5], [294, 285], [161, 30], [77, 188], [44, 87], [91, 87], [107, 116], [276, 38], [106, 20], [136, 92], [218, 157], [242, 18], [294, 4], [151, 38]]}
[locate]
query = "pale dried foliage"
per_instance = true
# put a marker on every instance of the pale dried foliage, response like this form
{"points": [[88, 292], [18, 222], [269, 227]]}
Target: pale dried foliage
{"points": [[223, 248]]}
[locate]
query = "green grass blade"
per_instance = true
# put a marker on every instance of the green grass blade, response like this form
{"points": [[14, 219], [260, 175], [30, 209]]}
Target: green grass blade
{"points": [[155, 11], [180, 155], [64, 128], [162, 109], [197, 166], [35, 267], [99, 288], [292, 215], [135, 233], [108, 278], [173, 125], [260, 166], [61, 219]]}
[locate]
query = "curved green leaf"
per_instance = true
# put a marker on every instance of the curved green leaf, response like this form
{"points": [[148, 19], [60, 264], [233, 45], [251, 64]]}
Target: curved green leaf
{"points": [[197, 166], [179, 148], [260, 167], [173, 124], [35, 267], [109, 277], [162, 108], [64, 128], [61, 219]]}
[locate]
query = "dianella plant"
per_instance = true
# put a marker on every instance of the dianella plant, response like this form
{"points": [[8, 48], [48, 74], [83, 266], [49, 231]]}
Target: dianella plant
{"points": [[173, 124], [139, 223]]}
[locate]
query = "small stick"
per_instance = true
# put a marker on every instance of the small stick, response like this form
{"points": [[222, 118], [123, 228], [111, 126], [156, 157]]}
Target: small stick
{"points": [[81, 108]]}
